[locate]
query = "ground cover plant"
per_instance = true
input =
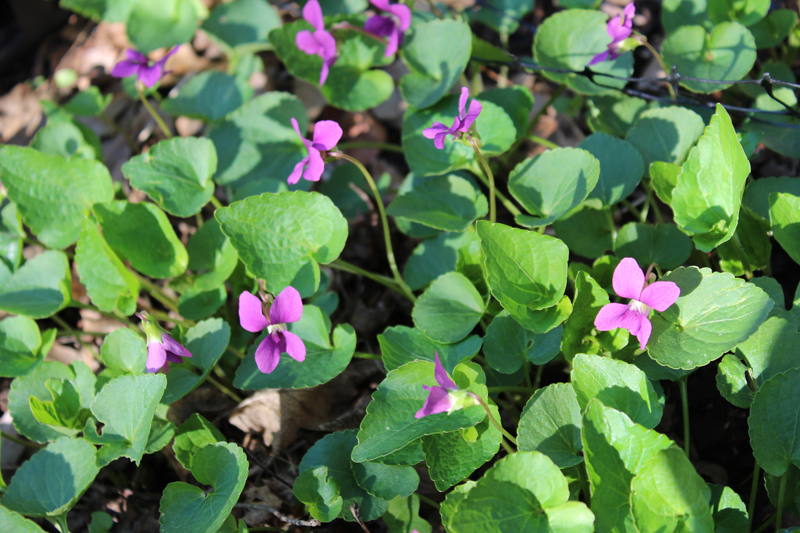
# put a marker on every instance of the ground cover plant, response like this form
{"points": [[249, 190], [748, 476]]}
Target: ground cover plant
{"points": [[406, 267]]}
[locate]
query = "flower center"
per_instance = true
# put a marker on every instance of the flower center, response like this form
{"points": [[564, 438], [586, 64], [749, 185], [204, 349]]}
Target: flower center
{"points": [[639, 307], [272, 328]]}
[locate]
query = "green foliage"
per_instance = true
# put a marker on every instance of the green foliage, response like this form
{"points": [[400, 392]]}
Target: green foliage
{"points": [[53, 193], [21, 346], [195, 433], [449, 309], [390, 424], [401, 345], [186, 508], [155, 251], [273, 238], [176, 174], [551, 424], [448, 203], [508, 346]]}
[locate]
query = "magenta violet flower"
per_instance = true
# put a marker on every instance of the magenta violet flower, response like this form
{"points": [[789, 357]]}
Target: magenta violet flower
{"points": [[320, 43], [393, 26], [629, 282], [326, 134], [444, 398], [287, 307], [461, 124], [162, 349], [138, 64], [619, 28]]}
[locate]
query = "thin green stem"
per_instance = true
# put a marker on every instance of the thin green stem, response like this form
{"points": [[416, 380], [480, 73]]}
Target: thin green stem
{"points": [[157, 292], [660, 60], [435, 9], [751, 503], [765, 525], [215, 202], [62, 323], [21, 442], [74, 333], [523, 390], [344, 266], [156, 116], [632, 208], [494, 422], [427, 500], [363, 355], [543, 141], [737, 244], [371, 144], [611, 226], [60, 522], [384, 221], [648, 185], [489, 176], [682, 384], [166, 318], [507, 203], [224, 390], [781, 495], [235, 351], [528, 381], [538, 379], [585, 486]]}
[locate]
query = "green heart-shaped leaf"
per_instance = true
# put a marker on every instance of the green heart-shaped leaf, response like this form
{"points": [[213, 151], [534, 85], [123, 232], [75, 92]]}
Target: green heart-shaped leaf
{"points": [[551, 424], [38, 288], [447, 203], [727, 53], [449, 309]]}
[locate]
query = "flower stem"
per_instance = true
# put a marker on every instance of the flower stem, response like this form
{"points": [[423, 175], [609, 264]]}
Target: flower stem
{"points": [[428, 501], [60, 522], [494, 422], [21, 442], [371, 144], [751, 503], [166, 318], [682, 383], [384, 221], [781, 494], [611, 226], [507, 203], [543, 141], [224, 390], [632, 208], [389, 283], [156, 116], [660, 60], [363, 355], [157, 292], [737, 244], [489, 176], [235, 351], [538, 379], [215, 202]]}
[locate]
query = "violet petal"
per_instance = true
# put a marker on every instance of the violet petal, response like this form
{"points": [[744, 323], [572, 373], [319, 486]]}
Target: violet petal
{"points": [[645, 329], [327, 133], [628, 279], [149, 76], [475, 108], [438, 401], [268, 353], [171, 345], [379, 25], [295, 346], [251, 312], [287, 307], [611, 316], [123, 69], [312, 12], [315, 165], [156, 357], [441, 375], [660, 295]]}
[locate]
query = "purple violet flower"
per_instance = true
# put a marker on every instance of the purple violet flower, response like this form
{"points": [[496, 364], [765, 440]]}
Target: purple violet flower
{"points": [[162, 349], [326, 134], [393, 26], [320, 43], [445, 398], [137, 63], [619, 28], [287, 307], [629, 282], [461, 124]]}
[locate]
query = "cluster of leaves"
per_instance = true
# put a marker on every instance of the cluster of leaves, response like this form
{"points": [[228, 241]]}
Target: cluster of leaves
{"points": [[496, 301]]}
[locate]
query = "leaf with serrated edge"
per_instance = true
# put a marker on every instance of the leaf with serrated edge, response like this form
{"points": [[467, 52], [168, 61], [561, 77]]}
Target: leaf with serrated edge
{"points": [[774, 431], [333, 451], [707, 197], [390, 424], [617, 384], [551, 424], [615, 448], [53, 480], [714, 313], [278, 242], [186, 507], [53, 193], [126, 406]]}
